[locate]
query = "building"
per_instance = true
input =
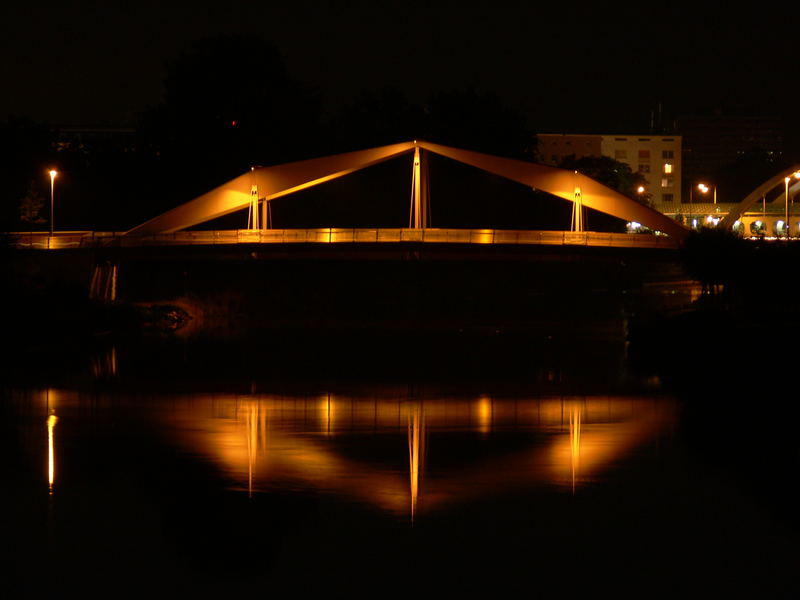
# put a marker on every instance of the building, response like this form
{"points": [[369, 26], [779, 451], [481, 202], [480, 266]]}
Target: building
{"points": [[715, 142], [657, 157]]}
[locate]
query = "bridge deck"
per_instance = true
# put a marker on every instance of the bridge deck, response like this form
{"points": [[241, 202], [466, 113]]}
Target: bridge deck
{"points": [[95, 239]]}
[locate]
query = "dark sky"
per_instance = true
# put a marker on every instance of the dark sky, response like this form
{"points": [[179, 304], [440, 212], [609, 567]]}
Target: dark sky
{"points": [[567, 69]]}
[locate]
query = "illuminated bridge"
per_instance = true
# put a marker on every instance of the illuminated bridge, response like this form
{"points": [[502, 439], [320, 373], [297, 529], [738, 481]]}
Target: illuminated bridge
{"points": [[768, 209], [255, 190], [262, 276], [767, 212]]}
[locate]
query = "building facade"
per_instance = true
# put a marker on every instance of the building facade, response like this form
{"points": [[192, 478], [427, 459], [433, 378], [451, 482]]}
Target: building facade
{"points": [[713, 143], [657, 157]]}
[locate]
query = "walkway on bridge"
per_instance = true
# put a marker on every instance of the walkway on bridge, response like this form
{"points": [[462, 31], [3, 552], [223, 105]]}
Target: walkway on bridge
{"points": [[497, 237]]}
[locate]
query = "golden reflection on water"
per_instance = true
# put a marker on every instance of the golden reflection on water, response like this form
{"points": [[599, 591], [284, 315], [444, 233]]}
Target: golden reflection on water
{"points": [[484, 414], [252, 413], [575, 440], [51, 400], [324, 443], [397, 453], [51, 459], [416, 454], [105, 364]]}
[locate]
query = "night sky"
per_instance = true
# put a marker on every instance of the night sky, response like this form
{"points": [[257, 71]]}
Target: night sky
{"points": [[566, 69]]}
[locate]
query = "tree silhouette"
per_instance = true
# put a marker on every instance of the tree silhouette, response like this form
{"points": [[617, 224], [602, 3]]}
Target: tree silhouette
{"points": [[613, 173], [229, 103], [377, 118], [30, 207], [25, 153], [478, 121]]}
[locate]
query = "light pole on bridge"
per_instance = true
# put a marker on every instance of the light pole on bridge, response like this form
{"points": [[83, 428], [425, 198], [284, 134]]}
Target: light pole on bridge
{"points": [[787, 226], [53, 174]]}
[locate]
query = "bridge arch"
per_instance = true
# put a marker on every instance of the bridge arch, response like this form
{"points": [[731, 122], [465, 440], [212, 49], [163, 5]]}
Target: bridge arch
{"points": [[761, 191], [280, 180]]}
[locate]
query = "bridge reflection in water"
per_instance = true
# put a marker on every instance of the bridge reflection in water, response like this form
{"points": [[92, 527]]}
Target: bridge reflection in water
{"points": [[405, 456]]}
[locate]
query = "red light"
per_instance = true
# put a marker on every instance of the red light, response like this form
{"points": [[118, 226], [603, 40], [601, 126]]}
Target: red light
{"points": [[233, 123]]}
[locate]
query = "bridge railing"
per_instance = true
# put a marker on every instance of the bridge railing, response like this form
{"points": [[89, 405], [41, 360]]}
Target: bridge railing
{"points": [[89, 239]]}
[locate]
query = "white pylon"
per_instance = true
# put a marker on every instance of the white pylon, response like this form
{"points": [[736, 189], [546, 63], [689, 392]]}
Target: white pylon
{"points": [[252, 217], [577, 210], [418, 212]]}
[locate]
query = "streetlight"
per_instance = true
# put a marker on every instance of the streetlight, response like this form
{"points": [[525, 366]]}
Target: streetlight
{"points": [[704, 188], [787, 226], [53, 174]]}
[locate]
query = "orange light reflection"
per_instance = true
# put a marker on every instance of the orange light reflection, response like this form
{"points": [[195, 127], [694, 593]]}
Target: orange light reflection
{"points": [[277, 442]]}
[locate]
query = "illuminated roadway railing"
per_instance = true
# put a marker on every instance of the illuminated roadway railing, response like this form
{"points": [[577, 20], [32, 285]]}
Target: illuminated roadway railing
{"points": [[88, 239]]}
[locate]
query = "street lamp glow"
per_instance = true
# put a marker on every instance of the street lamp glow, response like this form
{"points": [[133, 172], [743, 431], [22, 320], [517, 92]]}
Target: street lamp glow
{"points": [[786, 181], [640, 189], [53, 174], [704, 189]]}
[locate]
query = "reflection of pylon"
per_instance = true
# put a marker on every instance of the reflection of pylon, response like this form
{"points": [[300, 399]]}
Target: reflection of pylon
{"points": [[416, 455], [256, 436], [575, 441]]}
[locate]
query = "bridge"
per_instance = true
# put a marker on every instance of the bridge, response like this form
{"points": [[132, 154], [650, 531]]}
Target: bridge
{"points": [[255, 190], [767, 212], [774, 220], [406, 270]]}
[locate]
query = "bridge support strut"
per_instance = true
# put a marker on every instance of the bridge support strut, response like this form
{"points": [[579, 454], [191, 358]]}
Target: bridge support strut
{"points": [[418, 213], [252, 215], [577, 211]]}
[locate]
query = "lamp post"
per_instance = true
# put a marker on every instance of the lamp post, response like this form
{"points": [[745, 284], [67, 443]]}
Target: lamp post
{"points": [[786, 225], [704, 188], [53, 174]]}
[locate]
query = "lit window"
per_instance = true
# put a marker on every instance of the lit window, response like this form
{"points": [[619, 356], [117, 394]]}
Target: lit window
{"points": [[667, 167], [666, 182]]}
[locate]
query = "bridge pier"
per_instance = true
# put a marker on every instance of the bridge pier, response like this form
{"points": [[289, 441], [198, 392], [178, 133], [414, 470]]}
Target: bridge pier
{"points": [[103, 285]]}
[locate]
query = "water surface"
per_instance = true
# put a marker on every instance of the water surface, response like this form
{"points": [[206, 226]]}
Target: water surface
{"points": [[346, 488]]}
